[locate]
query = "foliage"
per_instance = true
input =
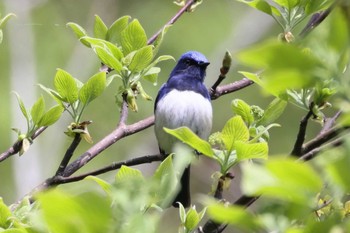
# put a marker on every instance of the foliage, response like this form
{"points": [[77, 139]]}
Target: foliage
{"points": [[298, 196], [123, 48]]}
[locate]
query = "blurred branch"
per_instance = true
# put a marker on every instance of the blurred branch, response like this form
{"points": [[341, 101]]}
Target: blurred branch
{"points": [[231, 87], [316, 19]]}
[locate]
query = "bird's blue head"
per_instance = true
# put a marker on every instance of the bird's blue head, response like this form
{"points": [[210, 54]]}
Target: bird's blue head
{"points": [[191, 63]]}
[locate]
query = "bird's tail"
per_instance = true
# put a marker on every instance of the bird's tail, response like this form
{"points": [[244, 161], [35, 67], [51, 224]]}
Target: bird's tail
{"points": [[184, 196]]}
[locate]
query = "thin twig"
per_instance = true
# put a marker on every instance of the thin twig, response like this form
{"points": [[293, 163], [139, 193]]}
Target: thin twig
{"points": [[231, 87], [111, 167], [316, 19], [16, 147], [172, 20]]}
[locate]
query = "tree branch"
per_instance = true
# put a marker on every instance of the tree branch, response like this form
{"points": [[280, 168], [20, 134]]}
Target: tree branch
{"points": [[68, 155], [298, 146], [16, 147], [172, 20]]}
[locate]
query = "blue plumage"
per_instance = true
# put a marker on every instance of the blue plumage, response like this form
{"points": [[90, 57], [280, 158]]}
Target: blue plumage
{"points": [[183, 101]]}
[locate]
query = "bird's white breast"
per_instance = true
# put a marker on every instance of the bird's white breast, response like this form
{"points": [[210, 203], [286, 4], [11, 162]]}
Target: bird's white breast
{"points": [[182, 108]]}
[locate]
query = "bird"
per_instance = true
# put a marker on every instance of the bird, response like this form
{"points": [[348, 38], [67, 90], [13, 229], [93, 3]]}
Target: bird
{"points": [[183, 100]]}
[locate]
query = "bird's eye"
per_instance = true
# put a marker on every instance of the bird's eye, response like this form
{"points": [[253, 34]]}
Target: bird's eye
{"points": [[188, 62]]}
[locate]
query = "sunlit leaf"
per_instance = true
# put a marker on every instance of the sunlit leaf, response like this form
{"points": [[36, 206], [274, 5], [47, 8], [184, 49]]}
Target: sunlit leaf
{"points": [[246, 150], [24, 111], [66, 86], [51, 116], [107, 187], [114, 32], [234, 130], [78, 31], [141, 59], [234, 215], [242, 109], [133, 37], [93, 88], [108, 58], [273, 111], [100, 28], [187, 136], [37, 110]]}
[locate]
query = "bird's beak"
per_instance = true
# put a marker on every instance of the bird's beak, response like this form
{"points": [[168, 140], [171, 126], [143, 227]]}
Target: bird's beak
{"points": [[203, 64]]}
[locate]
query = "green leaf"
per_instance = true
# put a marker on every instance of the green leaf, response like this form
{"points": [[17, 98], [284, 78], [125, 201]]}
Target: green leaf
{"points": [[4, 20], [133, 37], [108, 58], [54, 94], [253, 77], [234, 215], [93, 88], [75, 212], [51, 116], [127, 174], [159, 39], [234, 130], [37, 110], [273, 111], [246, 150], [142, 58], [152, 75], [100, 28], [107, 187], [114, 32], [24, 111], [282, 178], [66, 86], [78, 31], [187, 136], [286, 66], [260, 5], [192, 219], [5, 215], [242, 109], [113, 49], [317, 5]]}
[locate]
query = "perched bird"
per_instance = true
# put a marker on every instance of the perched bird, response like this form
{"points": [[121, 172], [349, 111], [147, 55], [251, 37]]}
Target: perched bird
{"points": [[183, 100]]}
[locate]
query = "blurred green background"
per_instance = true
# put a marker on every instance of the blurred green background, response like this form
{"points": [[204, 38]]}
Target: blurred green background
{"points": [[37, 42]]}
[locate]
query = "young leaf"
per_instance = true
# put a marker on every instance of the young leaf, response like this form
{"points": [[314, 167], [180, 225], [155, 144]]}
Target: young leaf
{"points": [[234, 130], [93, 88], [108, 58], [159, 39], [133, 37], [260, 5], [246, 150], [78, 31], [24, 111], [113, 49], [114, 32], [273, 111], [51, 116], [127, 174], [187, 136], [66, 86], [107, 187], [242, 109], [4, 20], [5, 215], [141, 59], [234, 215], [192, 219], [37, 110], [54, 94], [152, 75], [100, 28]]}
